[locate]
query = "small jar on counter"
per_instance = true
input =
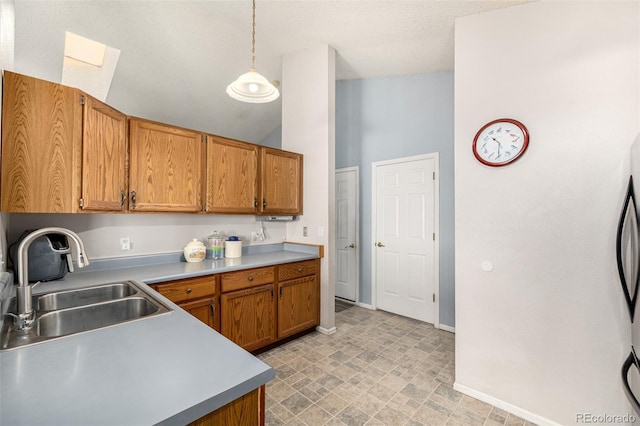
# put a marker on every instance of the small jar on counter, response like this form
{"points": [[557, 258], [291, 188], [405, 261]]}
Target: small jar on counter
{"points": [[194, 251], [215, 243]]}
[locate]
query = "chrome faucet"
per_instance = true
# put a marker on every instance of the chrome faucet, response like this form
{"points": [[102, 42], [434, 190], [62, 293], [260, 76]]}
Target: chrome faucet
{"points": [[26, 314]]}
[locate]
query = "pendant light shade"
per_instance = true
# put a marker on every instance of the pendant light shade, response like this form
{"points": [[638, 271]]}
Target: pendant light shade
{"points": [[251, 86]]}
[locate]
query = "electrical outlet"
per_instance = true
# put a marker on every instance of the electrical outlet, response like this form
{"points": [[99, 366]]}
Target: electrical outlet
{"points": [[125, 243]]}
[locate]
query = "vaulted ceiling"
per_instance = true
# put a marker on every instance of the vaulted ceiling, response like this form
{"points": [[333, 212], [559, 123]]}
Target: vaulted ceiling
{"points": [[177, 57]]}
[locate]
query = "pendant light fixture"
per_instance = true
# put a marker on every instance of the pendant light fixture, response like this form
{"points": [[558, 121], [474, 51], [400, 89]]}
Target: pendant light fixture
{"points": [[251, 86]]}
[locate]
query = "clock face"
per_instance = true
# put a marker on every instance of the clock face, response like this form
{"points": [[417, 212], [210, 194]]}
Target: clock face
{"points": [[500, 142]]}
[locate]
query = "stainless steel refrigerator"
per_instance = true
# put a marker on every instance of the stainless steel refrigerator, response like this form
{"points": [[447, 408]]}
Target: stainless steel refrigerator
{"points": [[628, 259]]}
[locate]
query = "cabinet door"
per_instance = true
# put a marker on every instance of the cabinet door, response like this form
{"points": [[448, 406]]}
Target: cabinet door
{"points": [[41, 132], [298, 305], [104, 153], [281, 188], [203, 309], [248, 317], [165, 168], [232, 176]]}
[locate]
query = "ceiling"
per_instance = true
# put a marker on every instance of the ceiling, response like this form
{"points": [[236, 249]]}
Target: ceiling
{"points": [[177, 57]]}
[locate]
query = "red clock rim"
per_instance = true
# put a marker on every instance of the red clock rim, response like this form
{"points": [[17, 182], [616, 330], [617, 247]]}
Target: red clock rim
{"points": [[525, 145]]}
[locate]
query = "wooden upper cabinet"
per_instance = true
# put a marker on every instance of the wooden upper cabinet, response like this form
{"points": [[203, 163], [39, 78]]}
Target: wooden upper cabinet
{"points": [[60, 155], [232, 176], [41, 132], [281, 185], [165, 167], [104, 154]]}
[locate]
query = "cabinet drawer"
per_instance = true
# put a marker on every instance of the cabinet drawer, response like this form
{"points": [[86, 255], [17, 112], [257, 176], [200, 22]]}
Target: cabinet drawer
{"points": [[299, 269], [246, 279], [187, 289]]}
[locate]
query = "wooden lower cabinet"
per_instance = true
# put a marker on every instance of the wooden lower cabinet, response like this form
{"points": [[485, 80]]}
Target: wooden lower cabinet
{"points": [[248, 316], [247, 410], [298, 305], [203, 309], [195, 295], [252, 307]]}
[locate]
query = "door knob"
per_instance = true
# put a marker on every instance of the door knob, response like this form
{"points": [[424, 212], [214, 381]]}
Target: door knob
{"points": [[380, 244], [351, 246]]}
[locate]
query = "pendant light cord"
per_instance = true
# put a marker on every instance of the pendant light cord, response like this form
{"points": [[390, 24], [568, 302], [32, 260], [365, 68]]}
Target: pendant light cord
{"points": [[253, 38]]}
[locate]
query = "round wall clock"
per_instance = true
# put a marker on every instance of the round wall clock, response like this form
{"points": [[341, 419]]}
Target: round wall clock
{"points": [[500, 142]]}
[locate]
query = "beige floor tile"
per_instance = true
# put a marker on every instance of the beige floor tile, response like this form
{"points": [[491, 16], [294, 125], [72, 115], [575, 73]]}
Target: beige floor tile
{"points": [[353, 416], [477, 406], [403, 404], [332, 403], [391, 416], [429, 417], [314, 415], [368, 404], [377, 369]]}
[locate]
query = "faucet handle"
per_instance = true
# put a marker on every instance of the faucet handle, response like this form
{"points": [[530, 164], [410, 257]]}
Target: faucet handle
{"points": [[69, 262], [83, 260]]}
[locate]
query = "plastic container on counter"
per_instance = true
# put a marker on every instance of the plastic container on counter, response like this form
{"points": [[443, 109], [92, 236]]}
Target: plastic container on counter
{"points": [[233, 248]]}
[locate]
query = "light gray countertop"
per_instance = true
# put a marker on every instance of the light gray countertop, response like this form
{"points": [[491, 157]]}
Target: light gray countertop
{"points": [[168, 369]]}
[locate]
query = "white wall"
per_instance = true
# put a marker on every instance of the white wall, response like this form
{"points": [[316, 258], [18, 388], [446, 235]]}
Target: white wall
{"points": [[545, 333], [384, 118], [149, 233], [308, 127]]}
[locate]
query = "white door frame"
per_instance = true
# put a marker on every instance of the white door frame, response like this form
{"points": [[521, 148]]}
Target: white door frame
{"points": [[355, 169], [436, 287]]}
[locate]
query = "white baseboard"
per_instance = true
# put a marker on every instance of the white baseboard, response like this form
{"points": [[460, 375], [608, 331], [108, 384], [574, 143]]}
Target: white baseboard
{"points": [[366, 306], [327, 331], [447, 328], [527, 415]]}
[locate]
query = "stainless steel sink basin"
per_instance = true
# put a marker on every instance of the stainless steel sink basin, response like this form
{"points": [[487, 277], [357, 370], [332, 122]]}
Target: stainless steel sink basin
{"points": [[65, 313], [85, 296], [90, 317]]}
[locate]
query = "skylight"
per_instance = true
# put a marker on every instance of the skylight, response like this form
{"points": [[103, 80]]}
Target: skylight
{"points": [[84, 50], [88, 65]]}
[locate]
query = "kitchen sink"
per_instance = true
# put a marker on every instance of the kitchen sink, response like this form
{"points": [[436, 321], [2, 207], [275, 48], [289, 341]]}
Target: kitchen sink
{"points": [[91, 317], [85, 296], [70, 312]]}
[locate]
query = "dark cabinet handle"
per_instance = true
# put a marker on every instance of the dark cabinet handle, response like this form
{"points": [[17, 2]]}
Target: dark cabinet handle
{"points": [[630, 361], [123, 198], [250, 278], [189, 291], [280, 293], [272, 293], [628, 213], [264, 203], [213, 306], [255, 203], [133, 199], [299, 268]]}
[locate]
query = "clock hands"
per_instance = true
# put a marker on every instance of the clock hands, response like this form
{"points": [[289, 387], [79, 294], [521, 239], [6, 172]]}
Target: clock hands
{"points": [[499, 145]]}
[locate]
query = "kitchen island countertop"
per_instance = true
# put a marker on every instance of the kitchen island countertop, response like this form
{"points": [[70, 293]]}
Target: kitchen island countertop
{"points": [[169, 369]]}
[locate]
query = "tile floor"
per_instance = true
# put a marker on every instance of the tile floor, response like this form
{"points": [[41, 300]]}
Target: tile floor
{"points": [[377, 369]]}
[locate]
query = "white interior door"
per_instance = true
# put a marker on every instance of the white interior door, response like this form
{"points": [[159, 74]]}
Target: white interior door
{"points": [[347, 233], [405, 221]]}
